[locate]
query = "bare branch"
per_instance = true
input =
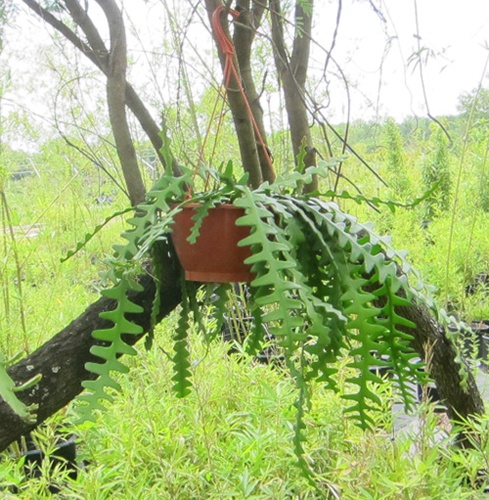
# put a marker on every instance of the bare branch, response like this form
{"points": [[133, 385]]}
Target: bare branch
{"points": [[82, 19], [302, 43], [98, 55], [116, 100], [66, 32]]}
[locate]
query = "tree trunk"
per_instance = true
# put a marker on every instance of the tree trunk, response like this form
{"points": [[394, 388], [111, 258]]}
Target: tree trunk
{"points": [[245, 28], [116, 100], [433, 346], [292, 71], [241, 115], [61, 360]]}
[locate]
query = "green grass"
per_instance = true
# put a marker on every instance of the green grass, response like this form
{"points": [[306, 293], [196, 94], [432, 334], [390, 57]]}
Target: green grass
{"points": [[232, 436], [50, 293]]}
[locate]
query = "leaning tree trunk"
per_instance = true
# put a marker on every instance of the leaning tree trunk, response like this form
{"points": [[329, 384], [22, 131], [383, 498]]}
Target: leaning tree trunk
{"points": [[61, 360], [437, 350]]}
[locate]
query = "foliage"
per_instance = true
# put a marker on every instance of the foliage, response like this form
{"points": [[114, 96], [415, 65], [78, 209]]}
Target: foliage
{"points": [[325, 285], [41, 216], [230, 438], [396, 163], [436, 170], [225, 389], [475, 102]]}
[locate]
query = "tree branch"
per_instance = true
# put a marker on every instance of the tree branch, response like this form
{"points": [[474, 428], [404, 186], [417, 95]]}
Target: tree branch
{"points": [[99, 57], [62, 359], [433, 346], [69, 34], [292, 72], [302, 43], [116, 100], [82, 19]]}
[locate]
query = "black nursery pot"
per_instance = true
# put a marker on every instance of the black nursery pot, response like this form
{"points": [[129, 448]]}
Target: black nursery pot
{"points": [[238, 330], [64, 455], [430, 394], [481, 329], [384, 368]]}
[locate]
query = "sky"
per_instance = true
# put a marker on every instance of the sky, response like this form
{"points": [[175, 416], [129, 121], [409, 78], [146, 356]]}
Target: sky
{"points": [[375, 52], [451, 34]]}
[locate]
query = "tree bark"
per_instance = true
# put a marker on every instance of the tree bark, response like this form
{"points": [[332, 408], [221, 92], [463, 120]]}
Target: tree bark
{"points": [[439, 353], [116, 100], [292, 71], [241, 116], [245, 28], [61, 360]]}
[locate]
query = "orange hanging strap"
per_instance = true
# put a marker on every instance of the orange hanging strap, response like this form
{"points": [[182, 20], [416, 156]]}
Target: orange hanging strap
{"points": [[227, 48], [225, 43]]}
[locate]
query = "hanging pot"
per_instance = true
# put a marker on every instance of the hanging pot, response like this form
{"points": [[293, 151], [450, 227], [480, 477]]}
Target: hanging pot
{"points": [[215, 257]]}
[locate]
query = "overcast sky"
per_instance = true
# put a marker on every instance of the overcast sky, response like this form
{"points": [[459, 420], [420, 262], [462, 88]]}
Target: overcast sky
{"points": [[453, 33], [373, 50]]}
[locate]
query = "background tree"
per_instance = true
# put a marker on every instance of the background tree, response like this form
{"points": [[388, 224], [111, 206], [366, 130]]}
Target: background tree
{"points": [[437, 170], [476, 102], [396, 161]]}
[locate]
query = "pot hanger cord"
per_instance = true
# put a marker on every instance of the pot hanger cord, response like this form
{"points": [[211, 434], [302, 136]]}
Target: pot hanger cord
{"points": [[229, 71]]}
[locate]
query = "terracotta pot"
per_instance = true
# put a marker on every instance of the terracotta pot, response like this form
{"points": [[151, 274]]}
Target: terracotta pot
{"points": [[215, 257]]}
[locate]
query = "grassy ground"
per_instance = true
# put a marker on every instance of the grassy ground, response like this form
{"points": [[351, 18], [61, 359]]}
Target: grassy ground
{"points": [[231, 437]]}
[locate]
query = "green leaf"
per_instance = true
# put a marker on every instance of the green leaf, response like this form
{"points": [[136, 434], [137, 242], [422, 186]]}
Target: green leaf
{"points": [[8, 390], [80, 245], [181, 363], [114, 348]]}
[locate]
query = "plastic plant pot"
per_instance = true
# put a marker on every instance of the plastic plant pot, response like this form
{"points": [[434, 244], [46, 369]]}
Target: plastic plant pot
{"points": [[215, 257]]}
